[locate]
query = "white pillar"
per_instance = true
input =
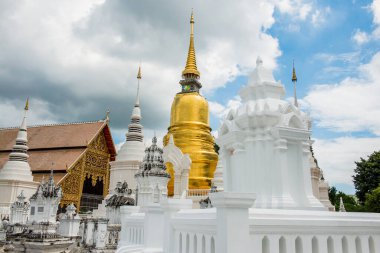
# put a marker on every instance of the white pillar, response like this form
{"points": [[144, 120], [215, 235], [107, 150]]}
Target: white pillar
{"points": [[306, 243], [274, 241], [365, 243], [322, 244], [290, 244], [338, 247], [101, 233], [177, 185], [184, 180], [153, 228], [232, 226], [351, 244]]}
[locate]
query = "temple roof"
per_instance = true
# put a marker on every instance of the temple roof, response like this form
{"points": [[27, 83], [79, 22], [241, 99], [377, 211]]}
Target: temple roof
{"points": [[61, 144]]}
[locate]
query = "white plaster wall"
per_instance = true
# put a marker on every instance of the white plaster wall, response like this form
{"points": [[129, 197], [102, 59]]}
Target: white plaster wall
{"points": [[123, 171], [10, 189]]}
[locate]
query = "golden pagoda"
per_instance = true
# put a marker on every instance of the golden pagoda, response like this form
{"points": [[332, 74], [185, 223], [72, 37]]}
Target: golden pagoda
{"points": [[189, 125]]}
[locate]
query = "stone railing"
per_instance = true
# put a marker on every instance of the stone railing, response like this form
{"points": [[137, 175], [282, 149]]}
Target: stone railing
{"points": [[228, 228], [134, 232], [283, 231]]}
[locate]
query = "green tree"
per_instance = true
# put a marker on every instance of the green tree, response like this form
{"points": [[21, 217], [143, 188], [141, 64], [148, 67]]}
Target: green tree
{"points": [[372, 202], [332, 195], [350, 203], [367, 175]]}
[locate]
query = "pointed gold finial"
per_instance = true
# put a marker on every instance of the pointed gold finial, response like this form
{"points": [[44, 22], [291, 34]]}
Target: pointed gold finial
{"points": [[294, 76], [139, 73], [27, 104], [191, 62], [294, 79]]}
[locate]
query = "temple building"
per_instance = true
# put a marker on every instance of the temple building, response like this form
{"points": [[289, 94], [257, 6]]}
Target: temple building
{"points": [[189, 125], [78, 153]]}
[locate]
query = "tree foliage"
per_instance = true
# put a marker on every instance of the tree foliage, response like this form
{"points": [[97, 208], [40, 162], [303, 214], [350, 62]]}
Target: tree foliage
{"points": [[372, 202], [350, 203], [367, 176]]}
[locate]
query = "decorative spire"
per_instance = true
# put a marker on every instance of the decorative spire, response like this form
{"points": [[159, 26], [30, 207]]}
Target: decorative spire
{"points": [[294, 80], [135, 128], [191, 62], [106, 119], [139, 73], [154, 140], [27, 104], [294, 76], [19, 152], [341, 205], [137, 104]]}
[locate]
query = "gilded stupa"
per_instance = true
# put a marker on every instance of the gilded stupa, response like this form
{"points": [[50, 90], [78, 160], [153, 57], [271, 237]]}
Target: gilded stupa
{"points": [[189, 125]]}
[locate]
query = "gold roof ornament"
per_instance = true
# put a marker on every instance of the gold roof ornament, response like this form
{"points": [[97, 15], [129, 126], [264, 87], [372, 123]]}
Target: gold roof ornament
{"points": [[139, 73], [27, 104], [191, 62], [294, 76]]}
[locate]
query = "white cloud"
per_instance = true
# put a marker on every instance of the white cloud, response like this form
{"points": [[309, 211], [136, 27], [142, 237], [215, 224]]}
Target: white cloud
{"points": [[297, 9], [360, 37], [375, 7], [319, 16], [38, 113], [337, 157], [352, 104], [81, 58], [220, 111]]}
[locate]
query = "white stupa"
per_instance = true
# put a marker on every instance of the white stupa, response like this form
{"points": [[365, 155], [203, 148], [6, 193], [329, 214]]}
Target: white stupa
{"points": [[16, 174], [265, 146], [131, 154], [152, 177]]}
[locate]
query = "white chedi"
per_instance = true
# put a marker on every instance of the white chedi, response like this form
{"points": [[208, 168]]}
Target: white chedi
{"points": [[264, 146], [16, 174], [131, 153], [152, 177]]}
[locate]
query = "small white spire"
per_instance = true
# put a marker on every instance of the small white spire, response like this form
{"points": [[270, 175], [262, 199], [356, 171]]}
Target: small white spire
{"points": [[23, 123], [341, 206]]}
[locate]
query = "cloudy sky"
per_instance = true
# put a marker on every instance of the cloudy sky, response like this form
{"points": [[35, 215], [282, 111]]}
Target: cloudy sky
{"points": [[76, 59]]}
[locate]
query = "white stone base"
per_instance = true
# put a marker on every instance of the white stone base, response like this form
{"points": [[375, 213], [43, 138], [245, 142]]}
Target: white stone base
{"points": [[54, 245]]}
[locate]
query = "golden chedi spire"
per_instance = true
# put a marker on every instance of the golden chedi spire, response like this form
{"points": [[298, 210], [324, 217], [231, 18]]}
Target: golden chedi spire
{"points": [[27, 104], [190, 126], [294, 80], [191, 62], [294, 76]]}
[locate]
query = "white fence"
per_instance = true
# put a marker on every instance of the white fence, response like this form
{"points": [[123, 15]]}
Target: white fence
{"points": [[271, 231]]}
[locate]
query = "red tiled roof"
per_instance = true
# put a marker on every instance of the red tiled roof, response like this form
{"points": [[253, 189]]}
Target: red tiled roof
{"points": [[61, 144], [53, 136]]}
